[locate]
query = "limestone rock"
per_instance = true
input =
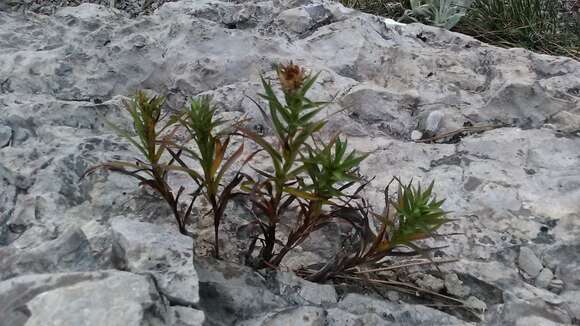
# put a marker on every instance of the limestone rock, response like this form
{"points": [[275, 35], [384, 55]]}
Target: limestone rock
{"points": [[302, 292], [185, 316], [475, 303], [232, 292], [529, 263], [544, 279], [146, 247], [69, 252], [433, 122], [65, 71], [99, 298], [5, 136], [306, 315], [398, 314], [455, 287], [416, 135], [556, 285], [430, 282]]}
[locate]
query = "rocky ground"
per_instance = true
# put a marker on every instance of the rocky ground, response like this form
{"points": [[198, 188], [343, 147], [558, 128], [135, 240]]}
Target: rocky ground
{"points": [[100, 251]]}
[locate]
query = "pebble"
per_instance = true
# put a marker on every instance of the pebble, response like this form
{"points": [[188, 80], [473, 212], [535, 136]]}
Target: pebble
{"points": [[433, 122], [475, 303], [455, 286], [556, 286], [393, 296], [416, 135], [529, 263], [544, 278], [430, 282]]}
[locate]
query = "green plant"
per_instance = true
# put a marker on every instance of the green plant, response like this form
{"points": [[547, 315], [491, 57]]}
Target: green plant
{"points": [[161, 155], [441, 13], [312, 183], [293, 123], [415, 215], [330, 172], [151, 169], [315, 177], [307, 173], [211, 147], [541, 25]]}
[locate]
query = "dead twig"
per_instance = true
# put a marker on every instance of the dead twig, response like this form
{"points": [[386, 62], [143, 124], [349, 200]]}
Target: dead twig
{"points": [[423, 262], [405, 285]]}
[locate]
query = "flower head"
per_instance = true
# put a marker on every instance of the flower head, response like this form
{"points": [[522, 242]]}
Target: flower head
{"points": [[291, 77]]}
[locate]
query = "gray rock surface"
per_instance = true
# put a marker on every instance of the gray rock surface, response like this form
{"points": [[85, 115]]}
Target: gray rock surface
{"points": [[544, 279], [73, 299], [430, 282], [231, 293], [455, 287], [127, 300], [146, 247], [5, 136], [383, 312], [306, 315], [302, 292], [70, 252], [62, 77], [185, 316], [132, 7], [529, 263]]}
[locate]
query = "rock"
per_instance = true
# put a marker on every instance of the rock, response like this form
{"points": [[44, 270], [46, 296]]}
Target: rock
{"points": [[99, 298], [430, 282], [566, 121], [376, 110], [535, 320], [338, 317], [231, 292], [455, 287], [185, 316], [552, 314], [301, 292], [572, 299], [474, 303], [47, 7], [5, 136], [416, 135], [556, 285], [69, 252], [64, 73], [307, 316], [544, 279], [529, 263], [566, 270], [296, 20], [397, 314], [393, 296], [146, 247], [433, 122]]}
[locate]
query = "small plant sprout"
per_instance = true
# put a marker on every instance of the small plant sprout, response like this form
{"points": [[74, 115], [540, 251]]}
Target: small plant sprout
{"points": [[161, 155], [415, 215], [151, 169], [294, 123], [331, 171], [211, 147]]}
